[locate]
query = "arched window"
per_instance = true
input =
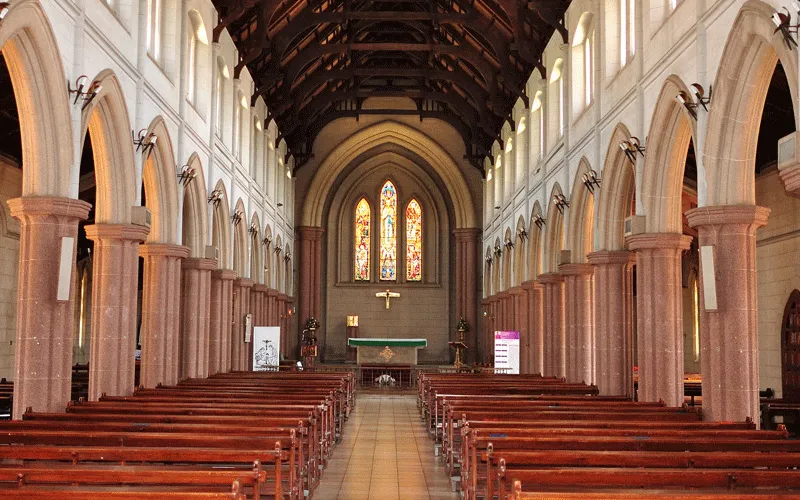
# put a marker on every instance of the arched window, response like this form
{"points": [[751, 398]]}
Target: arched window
{"points": [[154, 29], [197, 36], [557, 87], [388, 247], [413, 241], [627, 30], [362, 242], [219, 85]]}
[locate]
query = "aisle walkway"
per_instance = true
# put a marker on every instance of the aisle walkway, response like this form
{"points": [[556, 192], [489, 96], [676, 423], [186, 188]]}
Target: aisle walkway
{"points": [[385, 455]]}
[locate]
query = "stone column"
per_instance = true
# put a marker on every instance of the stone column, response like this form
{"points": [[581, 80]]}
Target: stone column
{"points": [[258, 295], [502, 305], [310, 286], [196, 314], [43, 372], [486, 326], [579, 321], [161, 308], [535, 314], [241, 307], [280, 316], [659, 310], [614, 328], [520, 298], [467, 284], [729, 333], [272, 307], [293, 335], [553, 325], [219, 340], [115, 281], [494, 325]]}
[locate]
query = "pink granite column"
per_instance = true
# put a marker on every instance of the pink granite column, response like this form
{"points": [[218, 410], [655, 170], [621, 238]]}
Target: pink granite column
{"points": [[258, 296], [272, 307], [161, 307], [196, 314], [241, 308], [729, 333], [280, 317], [115, 281], [219, 339], [494, 325], [520, 297], [553, 327], [310, 285], [614, 329], [43, 371], [466, 284], [579, 322], [293, 339], [502, 305], [660, 315], [486, 326], [535, 305]]}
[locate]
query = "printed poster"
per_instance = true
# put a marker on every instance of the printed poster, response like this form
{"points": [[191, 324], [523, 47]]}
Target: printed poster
{"points": [[266, 348], [506, 351]]}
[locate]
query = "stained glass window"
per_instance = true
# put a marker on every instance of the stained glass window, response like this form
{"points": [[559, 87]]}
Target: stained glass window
{"points": [[388, 247], [413, 241], [362, 243]]}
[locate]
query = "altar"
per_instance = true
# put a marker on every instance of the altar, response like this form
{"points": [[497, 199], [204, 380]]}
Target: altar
{"points": [[387, 351]]}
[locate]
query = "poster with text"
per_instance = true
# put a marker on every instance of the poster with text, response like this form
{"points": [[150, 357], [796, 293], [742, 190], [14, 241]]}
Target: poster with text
{"points": [[266, 348], [506, 351]]}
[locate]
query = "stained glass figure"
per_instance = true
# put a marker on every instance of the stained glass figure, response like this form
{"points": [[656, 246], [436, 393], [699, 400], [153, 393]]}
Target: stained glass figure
{"points": [[413, 241], [362, 243], [388, 246]]}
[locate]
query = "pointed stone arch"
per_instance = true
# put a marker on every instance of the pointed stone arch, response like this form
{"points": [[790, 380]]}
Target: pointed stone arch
{"points": [[535, 243], [581, 216], [240, 241], [487, 274], [287, 272], [616, 194], [256, 267], [519, 252], [496, 267], [553, 234], [161, 186], [268, 257], [276, 267], [221, 229], [195, 213], [508, 258]]}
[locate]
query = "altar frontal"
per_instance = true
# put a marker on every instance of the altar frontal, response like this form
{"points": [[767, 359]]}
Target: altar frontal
{"points": [[387, 351]]}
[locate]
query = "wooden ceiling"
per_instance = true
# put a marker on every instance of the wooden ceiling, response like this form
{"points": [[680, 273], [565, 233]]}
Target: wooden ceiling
{"points": [[465, 62]]}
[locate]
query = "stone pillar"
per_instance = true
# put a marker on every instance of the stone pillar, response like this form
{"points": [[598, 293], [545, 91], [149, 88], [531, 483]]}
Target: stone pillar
{"points": [[161, 313], [219, 340], [241, 307], [614, 328], [659, 310], [553, 325], [258, 296], [115, 282], [272, 307], [196, 314], [579, 321], [535, 314], [520, 298], [293, 335], [280, 317], [486, 326], [310, 286], [43, 373], [502, 305], [467, 284], [729, 333]]}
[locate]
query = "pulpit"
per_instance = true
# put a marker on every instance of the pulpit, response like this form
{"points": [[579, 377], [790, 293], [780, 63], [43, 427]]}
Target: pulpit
{"points": [[387, 351]]}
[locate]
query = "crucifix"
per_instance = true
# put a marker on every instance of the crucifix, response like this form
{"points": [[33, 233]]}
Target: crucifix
{"points": [[387, 295]]}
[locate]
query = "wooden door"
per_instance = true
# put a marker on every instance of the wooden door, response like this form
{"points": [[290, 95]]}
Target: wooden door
{"points": [[790, 347]]}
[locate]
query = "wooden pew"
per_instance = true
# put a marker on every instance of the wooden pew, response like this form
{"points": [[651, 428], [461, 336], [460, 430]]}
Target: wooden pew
{"points": [[614, 494]]}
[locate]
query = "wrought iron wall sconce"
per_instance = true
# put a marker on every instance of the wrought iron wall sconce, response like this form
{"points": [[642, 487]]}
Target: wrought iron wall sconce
{"points": [[4, 8], [561, 202], [539, 221], [783, 23], [216, 197], [631, 147], [591, 181], [522, 234], [690, 103], [253, 229], [186, 175], [143, 141], [86, 95], [236, 218]]}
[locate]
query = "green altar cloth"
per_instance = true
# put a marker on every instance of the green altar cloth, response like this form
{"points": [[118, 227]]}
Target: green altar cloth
{"points": [[387, 351]]}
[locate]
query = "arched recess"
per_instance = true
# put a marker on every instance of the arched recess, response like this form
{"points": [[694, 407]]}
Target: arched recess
{"points": [[268, 257], [161, 186], [221, 229], [508, 257], [379, 134], [740, 90], [487, 273], [195, 214], [535, 243], [31, 53], [581, 216], [519, 252], [496, 267], [553, 234], [240, 240], [256, 268], [616, 194], [277, 258], [671, 130]]}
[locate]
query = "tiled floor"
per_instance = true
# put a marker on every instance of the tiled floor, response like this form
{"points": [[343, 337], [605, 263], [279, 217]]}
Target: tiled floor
{"points": [[385, 454]]}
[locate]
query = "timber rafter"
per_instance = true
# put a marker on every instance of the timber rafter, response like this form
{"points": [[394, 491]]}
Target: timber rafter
{"points": [[465, 62]]}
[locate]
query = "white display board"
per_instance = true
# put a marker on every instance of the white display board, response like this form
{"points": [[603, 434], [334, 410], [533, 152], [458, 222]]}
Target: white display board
{"points": [[506, 351], [266, 348]]}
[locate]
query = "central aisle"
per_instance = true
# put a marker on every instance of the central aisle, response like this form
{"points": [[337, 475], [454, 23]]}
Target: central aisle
{"points": [[385, 455]]}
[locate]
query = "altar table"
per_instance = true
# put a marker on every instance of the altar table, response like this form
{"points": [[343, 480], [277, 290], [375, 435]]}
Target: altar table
{"points": [[387, 351]]}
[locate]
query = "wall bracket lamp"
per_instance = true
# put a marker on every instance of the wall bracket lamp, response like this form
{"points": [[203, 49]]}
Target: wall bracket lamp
{"points": [[216, 197], [236, 218], [690, 103], [143, 141], [539, 221], [81, 92], [561, 202], [783, 23], [631, 147], [186, 175]]}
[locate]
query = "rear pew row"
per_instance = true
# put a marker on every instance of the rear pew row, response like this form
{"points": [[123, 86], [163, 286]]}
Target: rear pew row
{"points": [[240, 435], [493, 437]]}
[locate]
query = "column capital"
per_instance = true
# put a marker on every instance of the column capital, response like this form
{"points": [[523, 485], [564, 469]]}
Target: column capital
{"points": [[550, 278], [493, 298], [283, 297], [260, 288], [130, 232], [467, 233], [486, 301], [272, 292], [243, 282], [223, 274], [289, 299], [665, 241], [728, 214], [164, 250], [517, 290], [199, 263], [46, 205], [612, 257], [576, 269], [310, 232], [532, 285], [503, 295]]}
